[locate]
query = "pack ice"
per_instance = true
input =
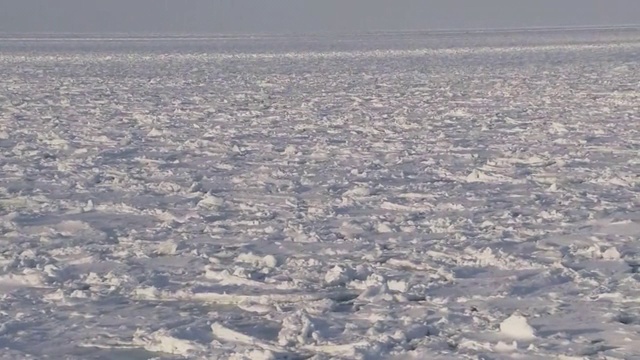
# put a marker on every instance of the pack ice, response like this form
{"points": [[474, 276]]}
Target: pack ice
{"points": [[383, 196]]}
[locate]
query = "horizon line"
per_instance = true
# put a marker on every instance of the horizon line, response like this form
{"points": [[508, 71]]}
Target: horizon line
{"points": [[161, 35]]}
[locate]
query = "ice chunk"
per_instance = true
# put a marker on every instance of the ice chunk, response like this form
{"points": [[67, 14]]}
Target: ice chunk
{"points": [[516, 327]]}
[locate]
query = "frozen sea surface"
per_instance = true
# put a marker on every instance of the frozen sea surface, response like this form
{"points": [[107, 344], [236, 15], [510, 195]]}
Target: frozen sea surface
{"points": [[383, 196]]}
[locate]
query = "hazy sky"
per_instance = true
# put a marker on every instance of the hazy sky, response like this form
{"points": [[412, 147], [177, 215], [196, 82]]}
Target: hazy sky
{"points": [[293, 16]]}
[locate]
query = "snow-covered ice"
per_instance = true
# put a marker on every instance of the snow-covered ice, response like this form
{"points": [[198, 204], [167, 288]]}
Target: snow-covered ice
{"points": [[379, 196]]}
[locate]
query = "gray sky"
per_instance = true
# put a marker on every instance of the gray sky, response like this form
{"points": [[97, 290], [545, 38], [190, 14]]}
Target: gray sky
{"points": [[295, 16]]}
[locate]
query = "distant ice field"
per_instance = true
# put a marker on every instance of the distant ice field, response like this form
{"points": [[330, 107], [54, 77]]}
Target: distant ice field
{"points": [[262, 43], [408, 195]]}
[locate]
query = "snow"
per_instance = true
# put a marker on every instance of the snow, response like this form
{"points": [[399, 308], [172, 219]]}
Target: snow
{"points": [[389, 196]]}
